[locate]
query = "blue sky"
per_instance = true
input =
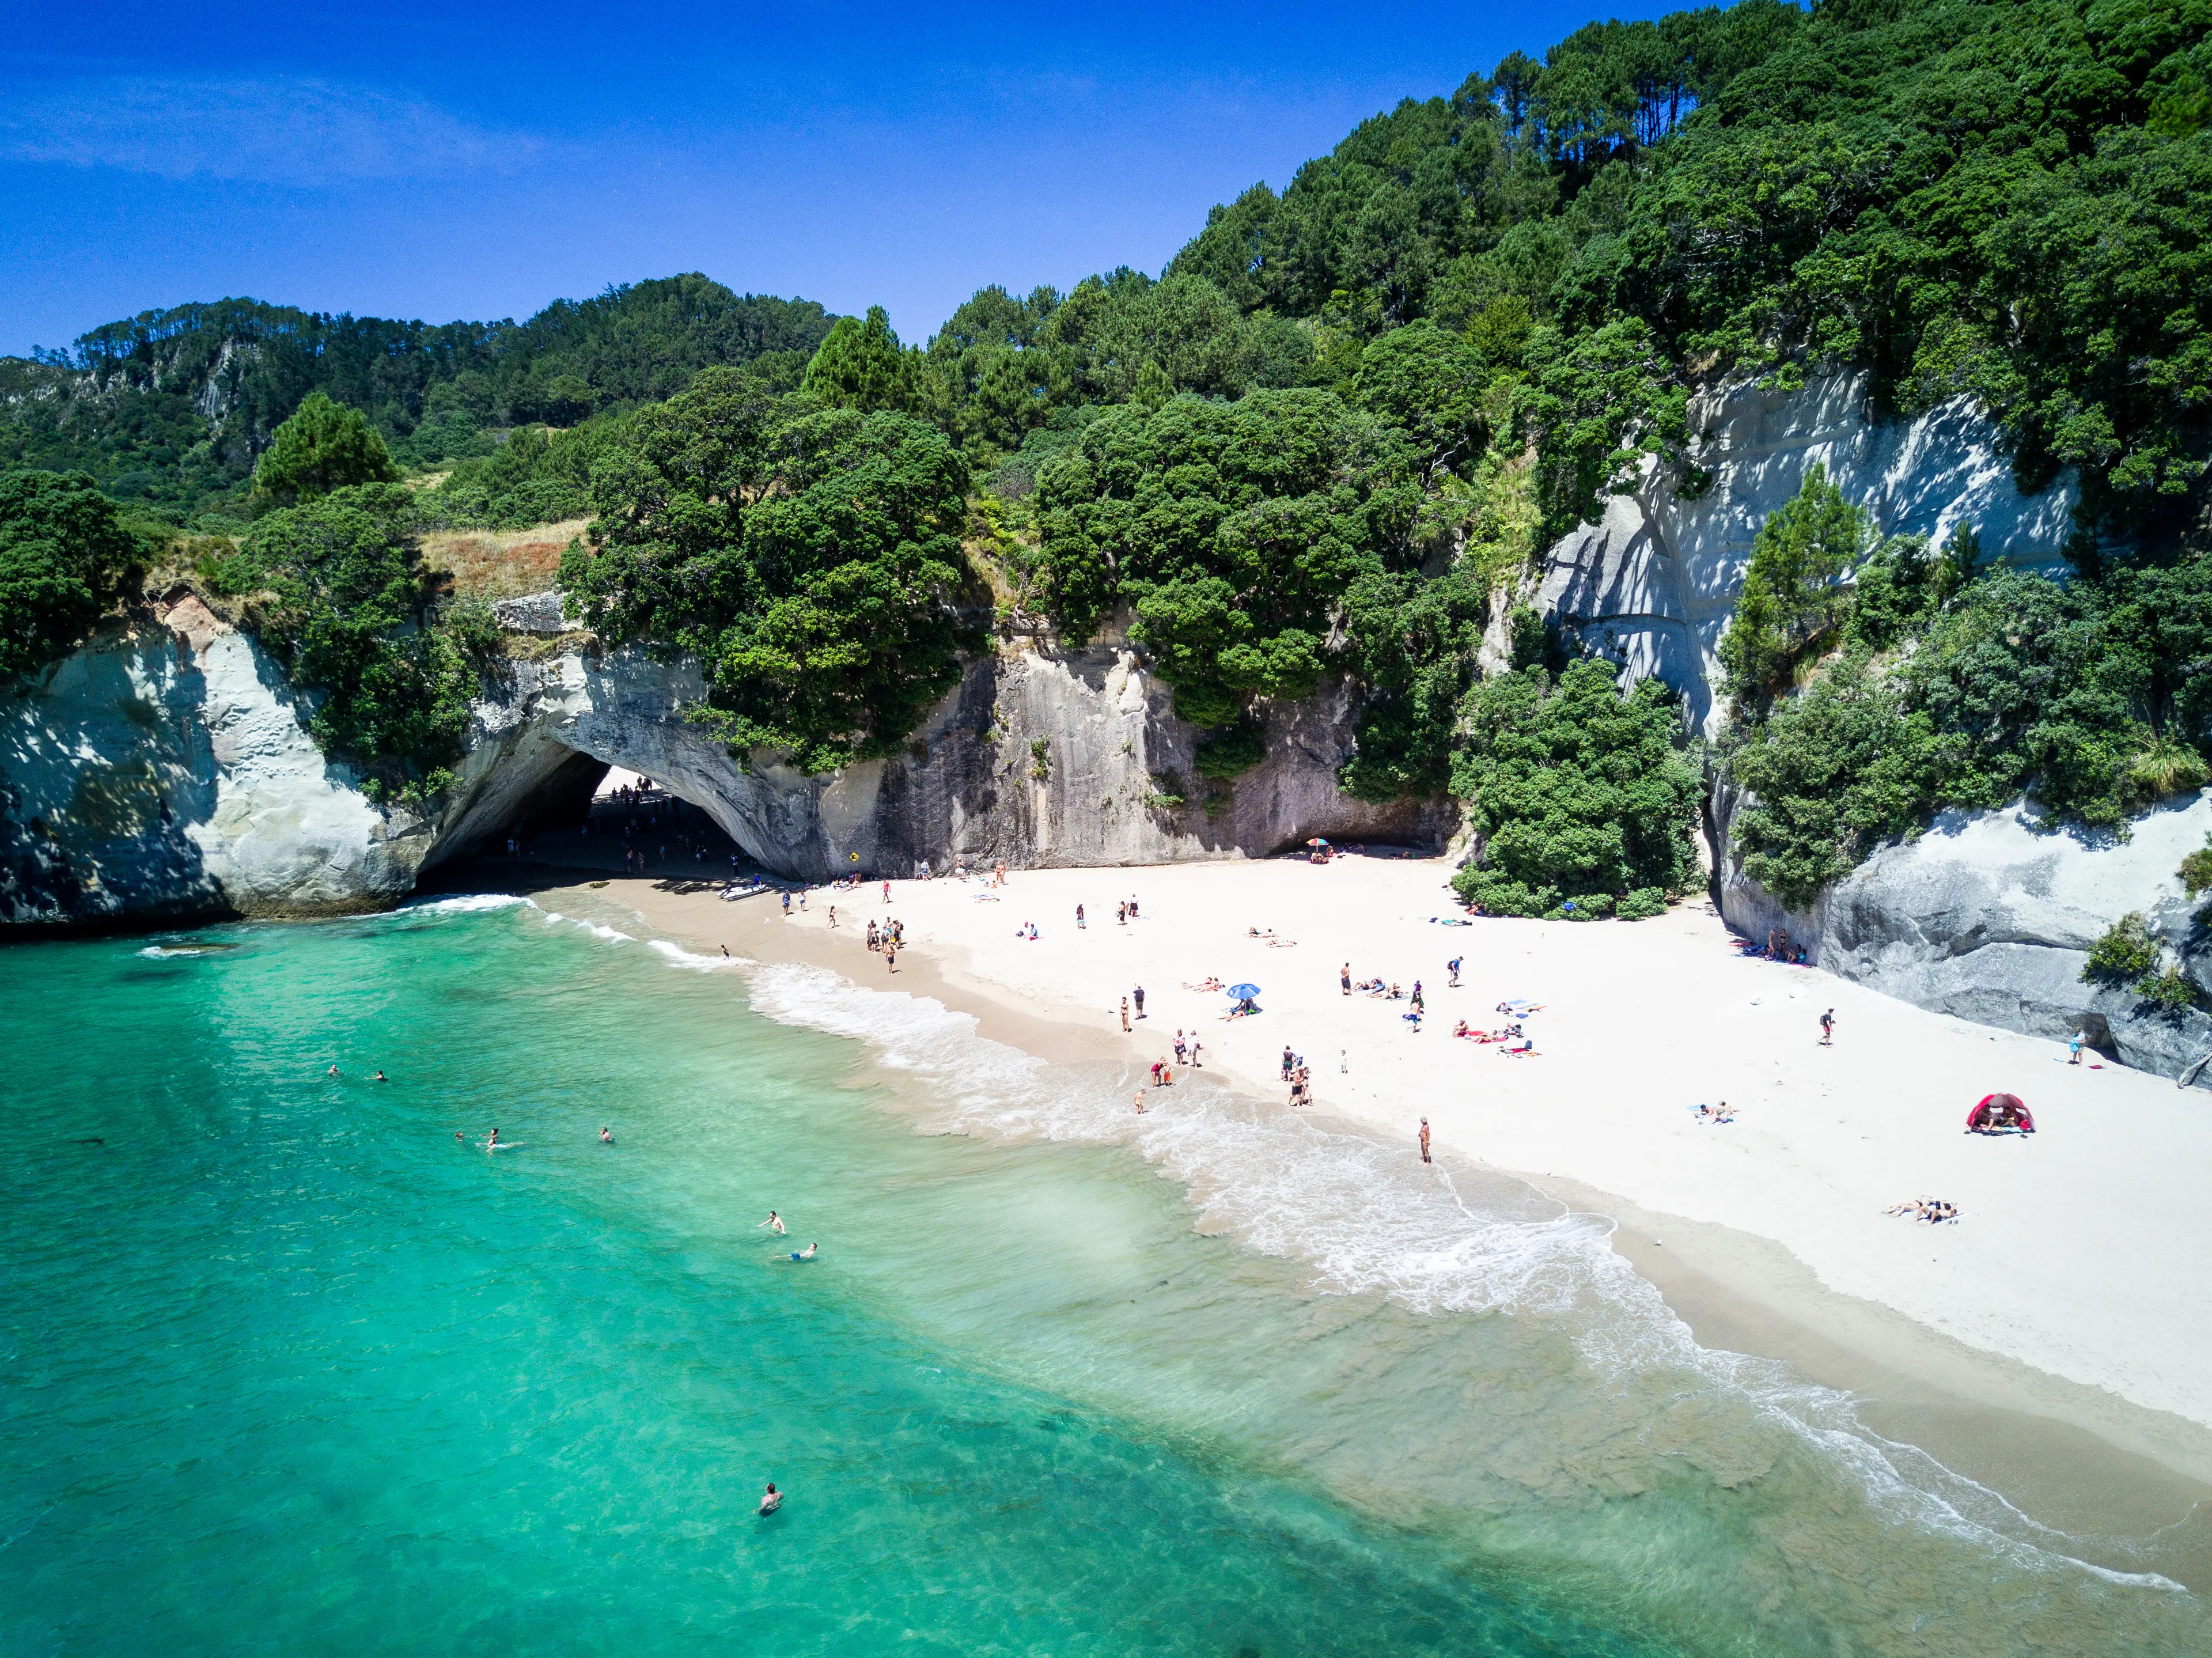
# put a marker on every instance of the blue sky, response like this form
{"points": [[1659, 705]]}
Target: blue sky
{"points": [[404, 159]]}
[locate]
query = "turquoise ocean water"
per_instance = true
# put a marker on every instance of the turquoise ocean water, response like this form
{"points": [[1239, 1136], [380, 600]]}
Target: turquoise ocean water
{"points": [[286, 1369]]}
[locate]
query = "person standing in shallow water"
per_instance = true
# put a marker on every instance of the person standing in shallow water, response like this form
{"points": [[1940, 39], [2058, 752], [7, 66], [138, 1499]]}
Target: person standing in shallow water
{"points": [[1425, 1140]]}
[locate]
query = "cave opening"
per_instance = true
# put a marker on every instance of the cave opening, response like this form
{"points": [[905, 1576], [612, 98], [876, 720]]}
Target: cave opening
{"points": [[585, 814]]}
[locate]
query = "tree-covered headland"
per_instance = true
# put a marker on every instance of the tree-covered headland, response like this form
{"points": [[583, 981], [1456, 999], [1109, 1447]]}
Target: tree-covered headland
{"points": [[1326, 441]]}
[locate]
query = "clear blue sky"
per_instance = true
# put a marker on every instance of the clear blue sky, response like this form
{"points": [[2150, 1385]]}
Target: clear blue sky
{"points": [[407, 159]]}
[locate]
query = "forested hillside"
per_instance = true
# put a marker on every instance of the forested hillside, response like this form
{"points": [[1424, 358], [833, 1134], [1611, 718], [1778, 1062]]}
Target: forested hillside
{"points": [[172, 408], [1328, 439]]}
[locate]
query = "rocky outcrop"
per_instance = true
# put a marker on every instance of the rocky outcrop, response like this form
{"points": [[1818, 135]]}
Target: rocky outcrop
{"points": [[1654, 583], [1039, 756], [164, 771], [1990, 916]]}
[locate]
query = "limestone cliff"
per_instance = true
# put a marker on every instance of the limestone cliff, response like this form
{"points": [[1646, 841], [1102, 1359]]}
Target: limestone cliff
{"points": [[1654, 583], [1988, 915], [164, 771]]}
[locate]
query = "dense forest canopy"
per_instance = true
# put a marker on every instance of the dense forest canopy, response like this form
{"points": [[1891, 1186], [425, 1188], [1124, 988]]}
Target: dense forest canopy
{"points": [[173, 407], [1329, 438]]}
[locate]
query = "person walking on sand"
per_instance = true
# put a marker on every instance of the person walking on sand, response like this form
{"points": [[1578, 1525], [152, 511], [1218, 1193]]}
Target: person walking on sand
{"points": [[1287, 1057], [2074, 1049], [1344, 977], [1079, 918], [887, 892], [1454, 965], [1133, 907], [1828, 1027], [1138, 995], [1343, 1062], [833, 915], [1121, 914], [1425, 1140], [1125, 1015]]}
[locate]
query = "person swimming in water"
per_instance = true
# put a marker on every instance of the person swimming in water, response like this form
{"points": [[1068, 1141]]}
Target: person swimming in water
{"points": [[380, 1077], [807, 1254], [606, 1136], [772, 1499], [334, 1070], [774, 1222], [492, 1143]]}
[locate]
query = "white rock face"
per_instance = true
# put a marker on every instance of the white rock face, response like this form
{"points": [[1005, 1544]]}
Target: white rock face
{"points": [[166, 771], [966, 785], [1990, 916], [1654, 584]]}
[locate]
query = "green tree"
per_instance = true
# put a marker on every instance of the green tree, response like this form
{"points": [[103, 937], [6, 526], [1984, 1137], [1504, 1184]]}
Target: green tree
{"points": [[861, 365], [1792, 600], [1233, 531], [349, 610], [810, 556], [64, 558], [1579, 790], [324, 446]]}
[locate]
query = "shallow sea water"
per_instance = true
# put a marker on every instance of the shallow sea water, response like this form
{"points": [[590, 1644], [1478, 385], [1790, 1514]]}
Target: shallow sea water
{"points": [[284, 1368]]}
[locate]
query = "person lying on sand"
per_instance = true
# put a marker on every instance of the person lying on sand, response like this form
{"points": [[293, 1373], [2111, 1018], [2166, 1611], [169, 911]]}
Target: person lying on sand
{"points": [[1211, 983], [1720, 1113]]}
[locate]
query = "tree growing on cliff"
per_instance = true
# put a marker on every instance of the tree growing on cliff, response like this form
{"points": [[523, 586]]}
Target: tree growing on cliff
{"points": [[1579, 790], [324, 446], [64, 558], [811, 557], [1793, 600], [1233, 530], [347, 606]]}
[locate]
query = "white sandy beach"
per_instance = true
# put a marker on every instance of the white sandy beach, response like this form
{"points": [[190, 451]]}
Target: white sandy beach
{"points": [[2081, 1250]]}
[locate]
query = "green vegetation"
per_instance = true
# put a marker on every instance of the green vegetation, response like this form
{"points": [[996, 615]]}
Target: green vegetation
{"points": [[324, 446], [1791, 600], [1949, 688], [335, 589], [1343, 418], [2128, 957], [64, 558], [2196, 870], [172, 408], [1580, 791], [810, 556]]}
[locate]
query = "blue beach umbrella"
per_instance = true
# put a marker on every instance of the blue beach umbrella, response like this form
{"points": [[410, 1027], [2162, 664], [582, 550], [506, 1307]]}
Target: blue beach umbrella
{"points": [[1243, 992]]}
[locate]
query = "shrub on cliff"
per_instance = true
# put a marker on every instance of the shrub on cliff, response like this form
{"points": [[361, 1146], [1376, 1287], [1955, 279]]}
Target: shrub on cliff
{"points": [[1576, 786], [64, 558]]}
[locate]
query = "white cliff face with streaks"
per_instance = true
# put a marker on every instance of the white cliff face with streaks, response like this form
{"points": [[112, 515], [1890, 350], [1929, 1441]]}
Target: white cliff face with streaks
{"points": [[166, 771], [1655, 583], [1988, 915]]}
